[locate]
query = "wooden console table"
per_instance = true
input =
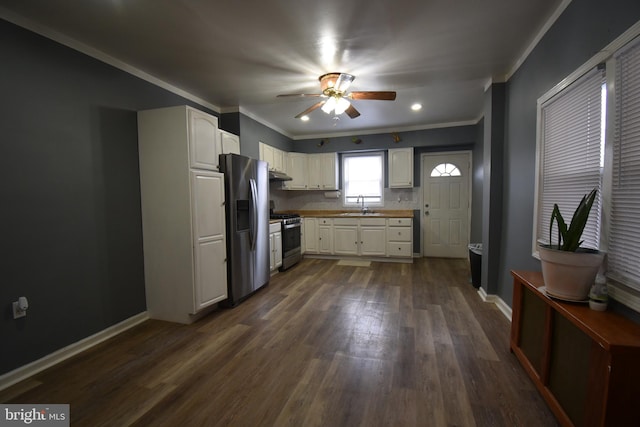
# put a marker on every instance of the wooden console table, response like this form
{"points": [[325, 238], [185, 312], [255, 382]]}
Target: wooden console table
{"points": [[585, 363]]}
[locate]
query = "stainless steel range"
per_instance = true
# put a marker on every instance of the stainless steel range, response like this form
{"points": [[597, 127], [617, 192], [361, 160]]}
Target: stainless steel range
{"points": [[291, 252]]}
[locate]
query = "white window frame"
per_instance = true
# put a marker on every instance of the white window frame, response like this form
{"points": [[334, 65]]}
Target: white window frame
{"points": [[624, 294], [348, 204], [569, 133]]}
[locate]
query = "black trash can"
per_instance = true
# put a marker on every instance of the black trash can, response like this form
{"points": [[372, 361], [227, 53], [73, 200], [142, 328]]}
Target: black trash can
{"points": [[475, 262]]}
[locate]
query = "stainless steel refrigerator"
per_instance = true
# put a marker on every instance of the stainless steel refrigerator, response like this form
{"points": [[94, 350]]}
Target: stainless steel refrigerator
{"points": [[246, 184]]}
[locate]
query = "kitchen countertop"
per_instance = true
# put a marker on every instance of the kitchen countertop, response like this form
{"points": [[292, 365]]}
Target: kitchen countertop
{"points": [[373, 213]]}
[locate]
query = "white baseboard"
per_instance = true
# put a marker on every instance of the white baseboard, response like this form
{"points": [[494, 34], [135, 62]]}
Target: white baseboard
{"points": [[26, 371], [495, 299]]}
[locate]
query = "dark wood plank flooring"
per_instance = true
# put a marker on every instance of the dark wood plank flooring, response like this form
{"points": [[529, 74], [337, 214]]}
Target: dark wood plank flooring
{"points": [[322, 345]]}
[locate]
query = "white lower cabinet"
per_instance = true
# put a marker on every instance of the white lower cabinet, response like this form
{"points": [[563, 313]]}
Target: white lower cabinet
{"points": [[325, 236], [310, 235], [399, 237], [359, 236], [209, 238], [345, 237], [373, 240], [303, 241], [275, 245]]}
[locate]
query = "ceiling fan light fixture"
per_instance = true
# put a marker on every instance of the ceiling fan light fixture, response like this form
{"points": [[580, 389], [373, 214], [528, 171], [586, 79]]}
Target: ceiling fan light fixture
{"points": [[416, 107], [304, 118], [336, 99], [343, 82], [328, 81], [341, 105], [329, 106]]}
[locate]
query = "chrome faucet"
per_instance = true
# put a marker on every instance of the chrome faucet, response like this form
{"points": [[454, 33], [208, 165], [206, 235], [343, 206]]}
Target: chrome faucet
{"points": [[363, 209]]}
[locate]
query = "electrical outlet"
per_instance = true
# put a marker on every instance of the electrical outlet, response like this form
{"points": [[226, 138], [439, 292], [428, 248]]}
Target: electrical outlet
{"points": [[17, 312]]}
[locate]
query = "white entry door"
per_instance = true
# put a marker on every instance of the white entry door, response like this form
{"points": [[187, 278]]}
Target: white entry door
{"points": [[446, 205]]}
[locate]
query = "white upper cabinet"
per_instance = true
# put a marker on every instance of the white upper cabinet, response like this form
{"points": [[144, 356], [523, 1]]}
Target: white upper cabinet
{"points": [[273, 156], [229, 142], [267, 154], [278, 160], [297, 169], [314, 172], [401, 167], [308, 171], [329, 169], [321, 172], [204, 141]]}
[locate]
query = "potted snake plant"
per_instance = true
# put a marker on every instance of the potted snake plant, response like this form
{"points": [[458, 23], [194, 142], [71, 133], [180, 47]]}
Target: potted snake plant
{"points": [[568, 269]]}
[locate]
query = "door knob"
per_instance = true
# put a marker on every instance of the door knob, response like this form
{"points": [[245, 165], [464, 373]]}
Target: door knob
{"points": [[427, 205], [426, 213]]}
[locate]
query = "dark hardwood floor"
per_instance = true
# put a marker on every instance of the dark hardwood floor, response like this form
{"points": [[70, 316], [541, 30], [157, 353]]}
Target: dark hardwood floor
{"points": [[322, 345]]}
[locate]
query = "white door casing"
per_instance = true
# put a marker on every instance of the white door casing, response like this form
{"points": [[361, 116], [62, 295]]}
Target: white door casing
{"points": [[446, 206]]}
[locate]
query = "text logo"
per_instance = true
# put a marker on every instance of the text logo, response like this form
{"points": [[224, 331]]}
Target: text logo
{"points": [[34, 415]]}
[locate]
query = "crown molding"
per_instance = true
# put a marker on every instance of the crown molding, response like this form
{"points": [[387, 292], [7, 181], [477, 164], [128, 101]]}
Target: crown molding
{"points": [[523, 57], [389, 130]]}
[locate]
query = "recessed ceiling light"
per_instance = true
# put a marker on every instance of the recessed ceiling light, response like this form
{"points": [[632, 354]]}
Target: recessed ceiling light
{"points": [[416, 107], [304, 118]]}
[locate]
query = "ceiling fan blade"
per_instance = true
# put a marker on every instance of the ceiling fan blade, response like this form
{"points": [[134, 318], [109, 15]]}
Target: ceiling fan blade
{"points": [[381, 96], [343, 82], [352, 112], [299, 95], [310, 109]]}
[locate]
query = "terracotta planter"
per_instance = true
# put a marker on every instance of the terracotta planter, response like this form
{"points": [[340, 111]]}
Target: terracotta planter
{"points": [[569, 275]]}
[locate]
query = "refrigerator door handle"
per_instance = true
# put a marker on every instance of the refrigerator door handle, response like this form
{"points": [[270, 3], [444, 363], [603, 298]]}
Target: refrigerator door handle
{"points": [[254, 213]]}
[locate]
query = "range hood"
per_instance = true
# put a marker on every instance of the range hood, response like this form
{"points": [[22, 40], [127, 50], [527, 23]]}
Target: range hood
{"points": [[279, 176]]}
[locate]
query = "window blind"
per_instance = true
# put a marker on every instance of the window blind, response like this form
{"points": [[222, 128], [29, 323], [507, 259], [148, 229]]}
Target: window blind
{"points": [[624, 228], [363, 178], [572, 155]]}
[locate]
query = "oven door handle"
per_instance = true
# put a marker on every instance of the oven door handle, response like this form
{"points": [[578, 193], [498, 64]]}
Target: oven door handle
{"points": [[289, 226]]}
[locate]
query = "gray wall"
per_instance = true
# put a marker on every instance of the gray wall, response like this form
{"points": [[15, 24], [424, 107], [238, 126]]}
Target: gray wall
{"points": [[70, 219], [585, 27], [442, 138], [493, 175], [477, 185], [253, 132]]}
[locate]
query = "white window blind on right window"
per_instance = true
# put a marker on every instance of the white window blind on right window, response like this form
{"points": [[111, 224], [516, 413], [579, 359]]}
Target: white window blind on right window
{"points": [[572, 155], [624, 229]]}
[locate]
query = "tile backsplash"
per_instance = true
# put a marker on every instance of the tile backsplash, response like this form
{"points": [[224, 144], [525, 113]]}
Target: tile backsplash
{"points": [[394, 198]]}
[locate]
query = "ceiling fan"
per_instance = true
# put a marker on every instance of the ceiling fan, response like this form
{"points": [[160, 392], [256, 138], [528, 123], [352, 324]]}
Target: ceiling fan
{"points": [[334, 87]]}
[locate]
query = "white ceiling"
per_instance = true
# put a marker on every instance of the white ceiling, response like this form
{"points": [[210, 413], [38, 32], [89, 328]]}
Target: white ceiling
{"points": [[238, 55]]}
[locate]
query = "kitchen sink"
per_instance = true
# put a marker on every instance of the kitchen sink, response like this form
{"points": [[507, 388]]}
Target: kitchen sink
{"points": [[357, 214]]}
